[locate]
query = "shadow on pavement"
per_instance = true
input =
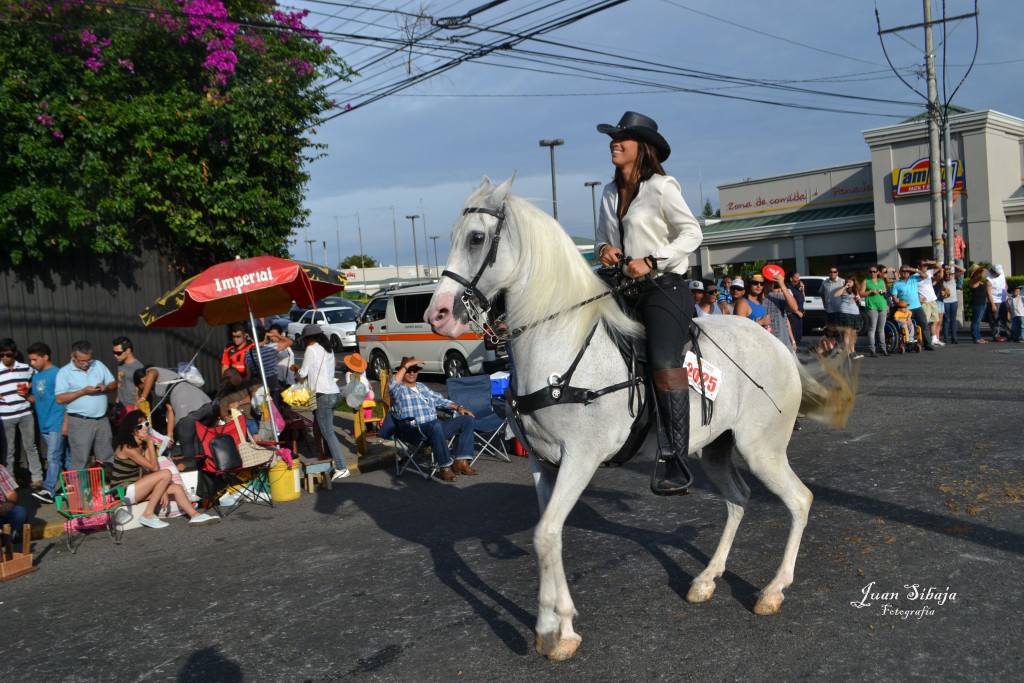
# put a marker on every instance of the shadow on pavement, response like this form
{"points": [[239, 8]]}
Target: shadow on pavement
{"points": [[441, 517]]}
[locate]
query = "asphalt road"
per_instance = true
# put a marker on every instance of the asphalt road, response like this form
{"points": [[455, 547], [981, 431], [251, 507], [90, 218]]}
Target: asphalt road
{"points": [[409, 580]]}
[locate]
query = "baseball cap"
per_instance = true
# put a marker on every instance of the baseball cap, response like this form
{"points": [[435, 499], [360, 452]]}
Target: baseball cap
{"points": [[696, 286]]}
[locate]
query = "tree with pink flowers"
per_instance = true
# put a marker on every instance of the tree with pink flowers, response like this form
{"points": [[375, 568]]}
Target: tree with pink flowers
{"points": [[174, 125]]}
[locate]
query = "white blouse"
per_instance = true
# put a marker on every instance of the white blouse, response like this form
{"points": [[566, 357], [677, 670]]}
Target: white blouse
{"points": [[318, 368], [658, 223]]}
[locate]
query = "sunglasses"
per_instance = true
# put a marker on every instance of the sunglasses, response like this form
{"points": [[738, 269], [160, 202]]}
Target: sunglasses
{"points": [[415, 368], [6, 354], [142, 425], [756, 282], [874, 270], [119, 353]]}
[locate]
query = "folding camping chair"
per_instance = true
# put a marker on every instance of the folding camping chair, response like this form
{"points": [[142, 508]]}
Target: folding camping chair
{"points": [[88, 504], [249, 482], [488, 429], [414, 452]]}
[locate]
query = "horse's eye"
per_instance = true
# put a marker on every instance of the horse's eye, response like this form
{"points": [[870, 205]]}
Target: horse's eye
{"points": [[476, 239]]}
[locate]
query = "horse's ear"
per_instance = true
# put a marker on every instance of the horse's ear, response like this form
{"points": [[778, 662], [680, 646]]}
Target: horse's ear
{"points": [[486, 182], [500, 193]]}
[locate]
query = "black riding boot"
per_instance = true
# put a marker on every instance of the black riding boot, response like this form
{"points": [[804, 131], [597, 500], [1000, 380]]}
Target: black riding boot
{"points": [[673, 391]]}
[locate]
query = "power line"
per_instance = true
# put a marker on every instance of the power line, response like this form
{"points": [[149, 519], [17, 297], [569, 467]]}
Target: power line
{"points": [[768, 35]]}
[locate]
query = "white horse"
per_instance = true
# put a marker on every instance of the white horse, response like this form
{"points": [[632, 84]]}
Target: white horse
{"points": [[542, 274]]}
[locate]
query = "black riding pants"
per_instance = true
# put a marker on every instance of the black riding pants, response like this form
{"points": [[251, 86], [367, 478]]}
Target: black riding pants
{"points": [[665, 307]]}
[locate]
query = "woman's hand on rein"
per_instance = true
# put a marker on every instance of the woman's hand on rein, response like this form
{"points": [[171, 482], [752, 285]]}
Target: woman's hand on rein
{"points": [[636, 268], [609, 255]]}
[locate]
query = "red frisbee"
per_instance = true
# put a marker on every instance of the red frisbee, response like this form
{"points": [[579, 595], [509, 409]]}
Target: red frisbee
{"points": [[771, 271]]}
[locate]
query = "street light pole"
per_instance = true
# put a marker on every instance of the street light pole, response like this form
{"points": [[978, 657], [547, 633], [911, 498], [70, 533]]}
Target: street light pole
{"points": [[437, 264], [593, 204], [394, 226], [423, 221], [551, 144], [415, 256], [309, 249]]}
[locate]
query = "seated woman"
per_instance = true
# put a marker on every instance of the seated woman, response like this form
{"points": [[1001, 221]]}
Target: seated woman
{"points": [[134, 454]]}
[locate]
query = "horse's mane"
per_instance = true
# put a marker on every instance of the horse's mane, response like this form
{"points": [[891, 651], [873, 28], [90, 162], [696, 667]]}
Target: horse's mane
{"points": [[551, 275]]}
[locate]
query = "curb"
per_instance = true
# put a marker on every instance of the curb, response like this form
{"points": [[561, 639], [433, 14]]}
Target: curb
{"points": [[45, 529], [49, 529]]}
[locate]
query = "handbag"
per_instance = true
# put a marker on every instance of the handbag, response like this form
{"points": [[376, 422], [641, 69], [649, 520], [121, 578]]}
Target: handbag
{"points": [[224, 453], [251, 453]]}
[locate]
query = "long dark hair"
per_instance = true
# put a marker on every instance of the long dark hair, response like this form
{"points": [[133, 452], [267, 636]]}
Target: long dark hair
{"points": [[646, 165], [125, 436]]}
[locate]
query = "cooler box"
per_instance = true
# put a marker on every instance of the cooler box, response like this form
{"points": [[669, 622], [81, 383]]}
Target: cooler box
{"points": [[499, 383]]}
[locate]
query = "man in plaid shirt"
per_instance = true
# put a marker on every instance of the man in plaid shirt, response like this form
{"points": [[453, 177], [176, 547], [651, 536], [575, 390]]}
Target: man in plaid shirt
{"points": [[10, 512], [415, 409]]}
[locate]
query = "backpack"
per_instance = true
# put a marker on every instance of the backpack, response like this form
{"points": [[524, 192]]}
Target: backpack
{"points": [[190, 373]]}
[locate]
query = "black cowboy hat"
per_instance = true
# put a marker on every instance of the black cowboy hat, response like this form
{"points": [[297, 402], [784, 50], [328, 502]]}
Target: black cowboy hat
{"points": [[642, 128]]}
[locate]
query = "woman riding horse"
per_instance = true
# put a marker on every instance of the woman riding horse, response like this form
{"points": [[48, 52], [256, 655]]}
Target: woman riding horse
{"points": [[648, 231]]}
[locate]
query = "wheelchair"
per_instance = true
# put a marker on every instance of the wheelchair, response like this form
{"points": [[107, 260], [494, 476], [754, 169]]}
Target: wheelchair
{"points": [[897, 339]]}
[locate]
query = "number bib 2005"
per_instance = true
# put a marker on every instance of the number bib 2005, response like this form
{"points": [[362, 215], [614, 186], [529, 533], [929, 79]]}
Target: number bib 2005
{"points": [[712, 376]]}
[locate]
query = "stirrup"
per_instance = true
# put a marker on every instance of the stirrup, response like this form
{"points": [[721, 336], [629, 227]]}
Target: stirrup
{"points": [[671, 487]]}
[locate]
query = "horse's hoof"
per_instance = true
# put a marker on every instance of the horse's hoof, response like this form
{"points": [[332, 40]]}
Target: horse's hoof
{"points": [[558, 649], [769, 604], [701, 592]]}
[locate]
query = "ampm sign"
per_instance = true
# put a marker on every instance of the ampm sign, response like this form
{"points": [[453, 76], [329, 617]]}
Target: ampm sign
{"points": [[915, 179]]}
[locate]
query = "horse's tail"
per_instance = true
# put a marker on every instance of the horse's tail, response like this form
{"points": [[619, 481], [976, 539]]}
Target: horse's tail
{"points": [[829, 391]]}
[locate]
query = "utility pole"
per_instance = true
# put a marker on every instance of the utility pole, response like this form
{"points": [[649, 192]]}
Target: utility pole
{"points": [[394, 226], [934, 115], [947, 147], [362, 257], [415, 249], [933, 135], [437, 264], [325, 254], [593, 205], [309, 249], [551, 144]]}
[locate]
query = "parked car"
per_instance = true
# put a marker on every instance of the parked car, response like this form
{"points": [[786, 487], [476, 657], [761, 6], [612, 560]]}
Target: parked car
{"points": [[814, 309], [339, 324], [391, 326]]}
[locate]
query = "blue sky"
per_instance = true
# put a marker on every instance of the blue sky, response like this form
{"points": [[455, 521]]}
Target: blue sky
{"points": [[423, 149]]}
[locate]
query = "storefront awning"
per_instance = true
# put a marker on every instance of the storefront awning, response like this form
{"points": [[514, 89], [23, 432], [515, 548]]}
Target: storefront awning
{"points": [[792, 218]]}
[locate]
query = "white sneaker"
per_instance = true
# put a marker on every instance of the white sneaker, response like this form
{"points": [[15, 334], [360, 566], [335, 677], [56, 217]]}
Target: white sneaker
{"points": [[341, 474], [938, 343], [203, 518], [153, 522]]}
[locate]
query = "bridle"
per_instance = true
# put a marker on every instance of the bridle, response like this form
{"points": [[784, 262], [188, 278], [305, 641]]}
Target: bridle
{"points": [[477, 305]]}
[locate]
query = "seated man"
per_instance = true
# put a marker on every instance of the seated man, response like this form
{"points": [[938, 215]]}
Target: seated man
{"points": [[413, 401], [10, 512]]}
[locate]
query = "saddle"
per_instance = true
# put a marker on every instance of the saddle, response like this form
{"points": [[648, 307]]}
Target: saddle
{"points": [[633, 353]]}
